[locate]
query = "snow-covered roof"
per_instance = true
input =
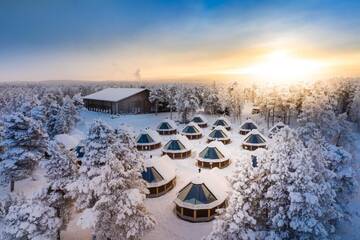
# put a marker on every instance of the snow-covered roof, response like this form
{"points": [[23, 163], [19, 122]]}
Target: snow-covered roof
{"points": [[114, 94], [177, 144], [191, 129], [203, 181], [248, 125], [164, 166], [148, 137], [255, 138], [70, 142], [221, 121], [166, 124], [219, 132], [215, 151], [277, 127], [199, 119]]}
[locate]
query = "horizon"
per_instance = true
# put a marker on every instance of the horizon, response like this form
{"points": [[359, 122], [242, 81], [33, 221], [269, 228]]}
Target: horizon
{"points": [[179, 41]]}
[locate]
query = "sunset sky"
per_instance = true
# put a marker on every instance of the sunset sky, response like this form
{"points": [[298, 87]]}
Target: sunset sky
{"points": [[164, 40]]}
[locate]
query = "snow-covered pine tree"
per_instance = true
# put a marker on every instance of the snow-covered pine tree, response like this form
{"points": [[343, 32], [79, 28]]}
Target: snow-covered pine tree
{"points": [[55, 120], [295, 195], [110, 185], [120, 209], [78, 101], [355, 108], [29, 219], [244, 217], [211, 102], [61, 170], [99, 139], [25, 144], [38, 113], [318, 115], [68, 114], [186, 103], [2, 137], [158, 96]]}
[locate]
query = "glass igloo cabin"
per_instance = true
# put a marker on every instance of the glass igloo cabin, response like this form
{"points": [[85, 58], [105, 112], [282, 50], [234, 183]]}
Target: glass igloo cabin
{"points": [[219, 133], [254, 140], [159, 176], [192, 131], [201, 197], [247, 126], [178, 147], [213, 155], [166, 127], [223, 122], [200, 121], [148, 140]]}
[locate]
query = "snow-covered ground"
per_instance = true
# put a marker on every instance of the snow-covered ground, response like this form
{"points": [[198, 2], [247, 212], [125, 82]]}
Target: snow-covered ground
{"points": [[169, 226]]}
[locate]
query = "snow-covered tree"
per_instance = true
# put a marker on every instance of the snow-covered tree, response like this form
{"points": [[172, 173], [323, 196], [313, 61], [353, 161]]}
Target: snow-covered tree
{"points": [[318, 115], [55, 122], [100, 137], [186, 103], [287, 196], [29, 219], [355, 108], [2, 137], [61, 165], [25, 144], [110, 185], [78, 101], [297, 192], [211, 102], [60, 171], [38, 113], [244, 217], [69, 114], [159, 97]]}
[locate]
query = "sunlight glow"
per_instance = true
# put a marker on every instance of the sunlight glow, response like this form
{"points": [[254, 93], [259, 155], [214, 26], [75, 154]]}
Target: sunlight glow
{"points": [[280, 67]]}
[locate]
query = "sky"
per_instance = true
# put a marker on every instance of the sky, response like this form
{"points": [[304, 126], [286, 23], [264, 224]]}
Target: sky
{"points": [[178, 40]]}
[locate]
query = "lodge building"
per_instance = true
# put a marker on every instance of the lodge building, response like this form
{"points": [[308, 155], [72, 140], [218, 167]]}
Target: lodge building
{"points": [[119, 101]]}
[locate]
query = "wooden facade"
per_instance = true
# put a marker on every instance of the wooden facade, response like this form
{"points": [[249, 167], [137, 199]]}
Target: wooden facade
{"points": [[148, 147], [198, 215], [192, 136], [224, 141], [161, 190], [136, 104], [204, 164], [177, 155], [252, 147], [167, 131]]}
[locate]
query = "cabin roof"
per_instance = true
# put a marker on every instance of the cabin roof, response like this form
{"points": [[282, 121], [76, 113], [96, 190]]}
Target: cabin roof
{"points": [[114, 94]]}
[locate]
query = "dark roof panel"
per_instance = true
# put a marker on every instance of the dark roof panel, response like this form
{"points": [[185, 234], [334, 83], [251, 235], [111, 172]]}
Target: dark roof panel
{"points": [[174, 145], [255, 139], [190, 129], [211, 153], [151, 175], [145, 138], [196, 194], [248, 126], [220, 122], [165, 126], [216, 133]]}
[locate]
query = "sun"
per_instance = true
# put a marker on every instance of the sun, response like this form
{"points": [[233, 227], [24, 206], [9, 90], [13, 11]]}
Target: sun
{"points": [[281, 67]]}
